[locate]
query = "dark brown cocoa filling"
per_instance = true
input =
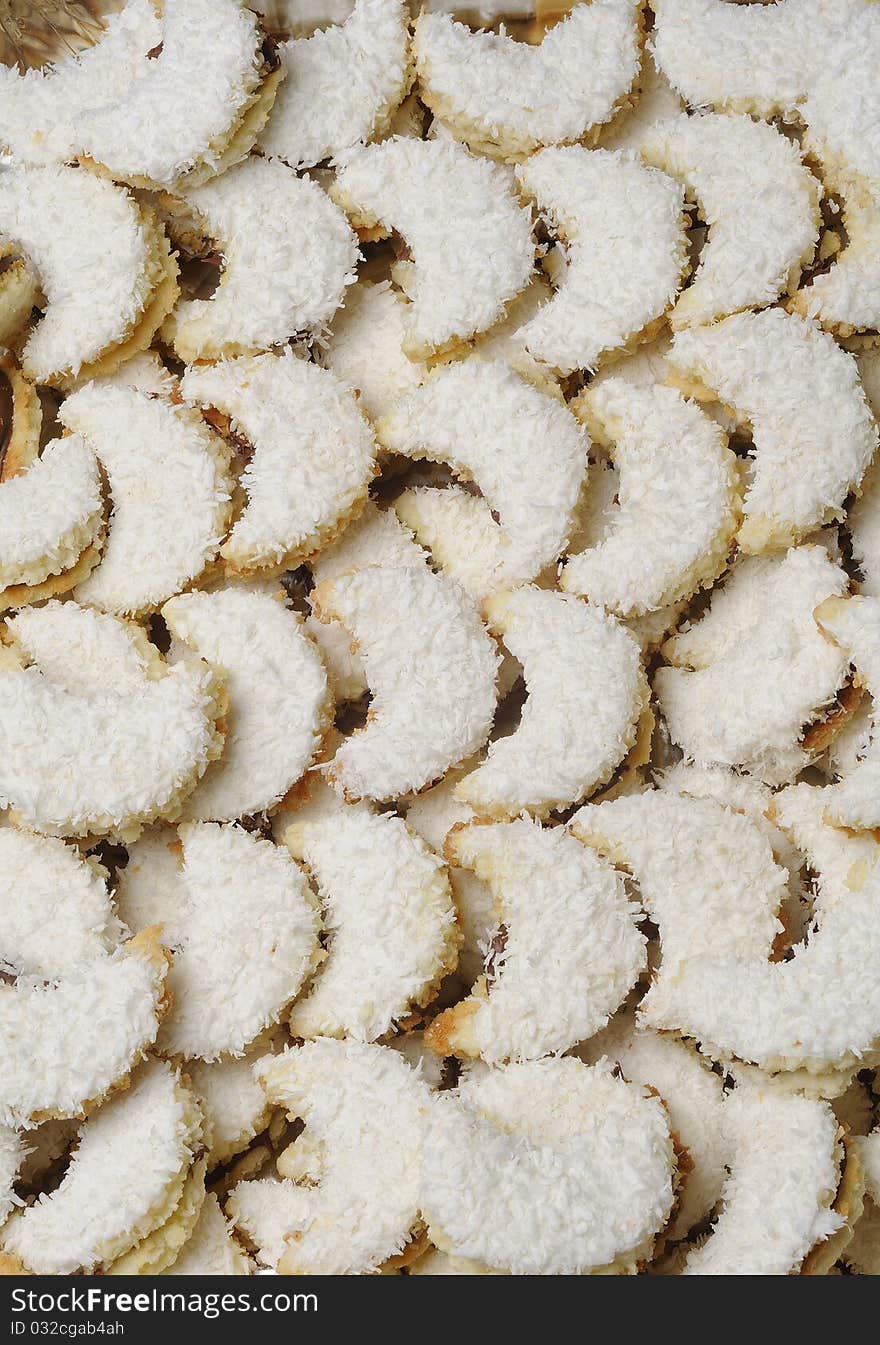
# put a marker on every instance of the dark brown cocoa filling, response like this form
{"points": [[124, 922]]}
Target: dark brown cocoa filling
{"points": [[7, 411], [223, 425], [497, 947]]}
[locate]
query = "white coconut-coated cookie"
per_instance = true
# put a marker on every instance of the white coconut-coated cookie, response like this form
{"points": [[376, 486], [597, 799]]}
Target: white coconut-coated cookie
{"points": [[313, 458], [657, 101], [470, 257], [39, 108], [101, 262], [760, 202], [545, 989], [374, 537], [211, 1248], [432, 814], [812, 430], [48, 885], [586, 693], [507, 98], [50, 514], [165, 123], [353, 1197], [784, 1158], [854, 625], [818, 1011], [677, 497], [412, 629], [693, 1096], [66, 972], [750, 676], [388, 917], [98, 735], [587, 1161], [341, 85], [740, 793], [240, 918], [622, 230], [144, 372], [747, 58], [843, 298], [235, 1107], [125, 1178], [459, 531], [521, 447], [365, 347], [288, 256], [705, 875], [170, 482], [279, 703], [814, 62]]}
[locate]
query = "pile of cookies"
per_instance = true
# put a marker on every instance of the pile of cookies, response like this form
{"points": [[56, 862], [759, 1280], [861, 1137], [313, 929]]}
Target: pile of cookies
{"points": [[440, 644]]}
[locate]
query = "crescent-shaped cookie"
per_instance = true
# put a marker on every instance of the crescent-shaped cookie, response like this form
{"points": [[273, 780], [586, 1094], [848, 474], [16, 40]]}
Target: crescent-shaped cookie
{"points": [[459, 531], [432, 814], [545, 990], [843, 298], [507, 98], [759, 201], [164, 124], [812, 430], [585, 1159], [705, 875], [375, 537], [122, 991], [154, 1253], [456, 288], [239, 916], [693, 1095], [388, 917], [66, 971], [47, 885], [170, 483], [751, 676], [622, 229], [51, 515], [211, 1248], [125, 1178], [586, 693], [279, 703], [342, 85], [657, 101], [103, 265], [819, 1011], [785, 1158], [522, 448], [748, 58], [786, 60], [288, 255], [854, 625], [351, 1201], [235, 1107], [365, 347], [740, 793], [98, 735], [677, 508], [418, 630], [313, 458], [39, 108]]}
